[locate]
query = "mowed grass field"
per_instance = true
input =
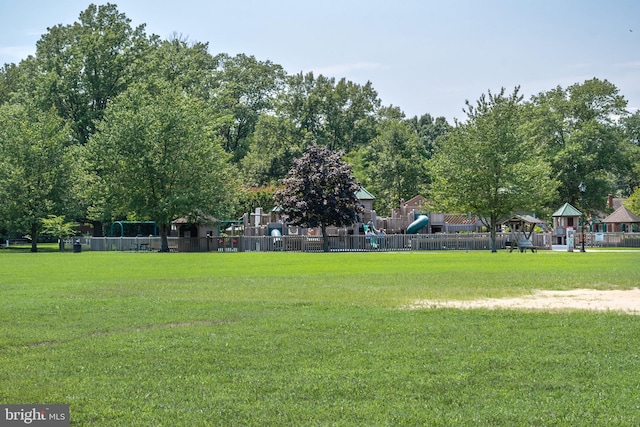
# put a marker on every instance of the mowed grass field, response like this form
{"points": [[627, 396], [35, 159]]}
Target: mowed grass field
{"points": [[226, 339]]}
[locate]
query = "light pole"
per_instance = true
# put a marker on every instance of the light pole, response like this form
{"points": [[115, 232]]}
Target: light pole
{"points": [[582, 187]]}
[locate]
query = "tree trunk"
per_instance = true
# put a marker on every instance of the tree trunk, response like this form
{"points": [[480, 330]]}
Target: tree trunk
{"points": [[97, 229], [61, 244], [492, 228], [325, 238], [164, 241], [34, 238]]}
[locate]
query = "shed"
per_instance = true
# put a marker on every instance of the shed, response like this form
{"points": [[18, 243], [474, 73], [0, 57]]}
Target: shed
{"points": [[621, 220], [202, 227]]}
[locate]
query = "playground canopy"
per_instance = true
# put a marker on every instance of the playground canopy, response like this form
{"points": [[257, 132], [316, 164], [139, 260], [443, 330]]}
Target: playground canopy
{"points": [[567, 210]]}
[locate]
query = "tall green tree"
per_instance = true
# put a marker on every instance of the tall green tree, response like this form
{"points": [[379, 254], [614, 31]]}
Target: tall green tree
{"points": [[319, 191], [631, 128], [396, 163], [245, 89], [578, 129], [271, 153], [429, 129], [36, 170], [9, 76], [183, 63], [310, 110], [487, 166], [82, 66], [339, 115], [158, 158]]}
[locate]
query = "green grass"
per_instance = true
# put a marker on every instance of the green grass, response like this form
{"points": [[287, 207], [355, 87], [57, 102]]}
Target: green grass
{"points": [[315, 339]]}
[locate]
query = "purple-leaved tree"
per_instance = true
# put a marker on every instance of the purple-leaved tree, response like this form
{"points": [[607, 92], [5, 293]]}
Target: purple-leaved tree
{"points": [[319, 191]]}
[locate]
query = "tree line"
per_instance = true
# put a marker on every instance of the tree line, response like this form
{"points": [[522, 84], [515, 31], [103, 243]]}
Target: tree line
{"points": [[106, 122]]}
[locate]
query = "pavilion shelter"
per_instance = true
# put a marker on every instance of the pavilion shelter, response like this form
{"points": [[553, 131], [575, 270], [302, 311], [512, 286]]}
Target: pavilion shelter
{"points": [[622, 220]]}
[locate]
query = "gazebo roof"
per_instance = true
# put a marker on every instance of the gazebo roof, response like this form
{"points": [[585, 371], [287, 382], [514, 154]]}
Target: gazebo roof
{"points": [[567, 210], [622, 215], [528, 219]]}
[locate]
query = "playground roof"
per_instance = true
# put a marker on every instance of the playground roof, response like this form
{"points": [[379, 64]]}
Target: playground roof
{"points": [[567, 210], [363, 194], [452, 219]]}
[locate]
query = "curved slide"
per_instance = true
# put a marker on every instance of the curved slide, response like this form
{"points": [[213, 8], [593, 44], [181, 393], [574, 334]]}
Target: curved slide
{"points": [[416, 225], [276, 233]]}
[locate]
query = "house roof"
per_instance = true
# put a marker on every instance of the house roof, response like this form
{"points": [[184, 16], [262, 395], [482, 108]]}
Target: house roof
{"points": [[622, 215], [567, 210], [363, 194], [416, 201]]}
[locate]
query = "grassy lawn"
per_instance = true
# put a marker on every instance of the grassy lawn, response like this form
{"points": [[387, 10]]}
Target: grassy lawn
{"points": [[141, 339]]}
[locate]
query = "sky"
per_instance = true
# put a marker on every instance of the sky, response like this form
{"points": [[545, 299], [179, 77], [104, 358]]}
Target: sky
{"points": [[422, 56]]}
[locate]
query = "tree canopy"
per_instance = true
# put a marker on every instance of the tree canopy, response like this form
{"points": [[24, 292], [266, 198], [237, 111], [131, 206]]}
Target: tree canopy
{"points": [[82, 66], [577, 129], [394, 163], [114, 100], [35, 168]]}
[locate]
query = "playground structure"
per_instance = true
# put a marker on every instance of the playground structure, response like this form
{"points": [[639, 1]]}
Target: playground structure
{"points": [[412, 226], [410, 218]]}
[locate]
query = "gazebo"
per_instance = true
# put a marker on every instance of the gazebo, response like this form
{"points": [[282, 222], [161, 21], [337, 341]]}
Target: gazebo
{"points": [[524, 224], [621, 220], [522, 228]]}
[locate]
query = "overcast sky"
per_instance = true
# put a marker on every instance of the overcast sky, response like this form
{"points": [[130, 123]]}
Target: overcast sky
{"points": [[420, 55]]}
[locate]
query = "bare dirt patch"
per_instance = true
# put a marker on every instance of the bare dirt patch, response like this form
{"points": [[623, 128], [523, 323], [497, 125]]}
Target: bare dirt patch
{"points": [[627, 301]]}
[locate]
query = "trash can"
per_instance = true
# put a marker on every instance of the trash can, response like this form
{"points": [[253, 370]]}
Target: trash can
{"points": [[77, 247]]}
